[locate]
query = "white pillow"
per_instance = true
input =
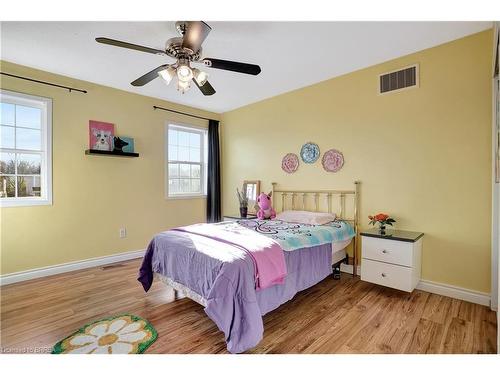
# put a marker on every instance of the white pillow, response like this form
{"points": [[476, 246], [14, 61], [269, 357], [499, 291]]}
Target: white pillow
{"points": [[306, 217]]}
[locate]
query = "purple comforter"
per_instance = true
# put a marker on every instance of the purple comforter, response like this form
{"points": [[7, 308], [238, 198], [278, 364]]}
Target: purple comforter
{"points": [[223, 274], [266, 253]]}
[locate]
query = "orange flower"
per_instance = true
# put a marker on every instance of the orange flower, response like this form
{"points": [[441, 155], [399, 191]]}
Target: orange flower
{"points": [[370, 217], [381, 217]]}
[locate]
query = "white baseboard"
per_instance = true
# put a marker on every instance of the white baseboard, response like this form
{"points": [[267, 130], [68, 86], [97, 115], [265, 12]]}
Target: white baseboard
{"points": [[455, 292], [348, 268], [442, 289], [36, 273]]}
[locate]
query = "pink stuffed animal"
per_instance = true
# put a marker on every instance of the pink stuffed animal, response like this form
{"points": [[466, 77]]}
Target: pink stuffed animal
{"points": [[266, 210]]}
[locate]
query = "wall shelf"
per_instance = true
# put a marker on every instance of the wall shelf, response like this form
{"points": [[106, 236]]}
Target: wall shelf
{"points": [[112, 153]]}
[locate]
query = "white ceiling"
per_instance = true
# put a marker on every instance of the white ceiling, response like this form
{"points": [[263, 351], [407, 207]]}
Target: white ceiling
{"points": [[291, 54]]}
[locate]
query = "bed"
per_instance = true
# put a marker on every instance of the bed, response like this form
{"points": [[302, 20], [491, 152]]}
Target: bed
{"points": [[241, 270]]}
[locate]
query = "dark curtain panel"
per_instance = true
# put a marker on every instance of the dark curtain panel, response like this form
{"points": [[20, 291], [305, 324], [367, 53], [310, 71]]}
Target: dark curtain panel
{"points": [[213, 182]]}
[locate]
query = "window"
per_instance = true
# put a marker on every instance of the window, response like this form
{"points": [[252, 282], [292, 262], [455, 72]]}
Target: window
{"points": [[186, 151], [25, 149]]}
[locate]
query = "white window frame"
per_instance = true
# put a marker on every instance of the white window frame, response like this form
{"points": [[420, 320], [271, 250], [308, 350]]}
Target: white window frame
{"points": [[203, 173], [45, 104]]}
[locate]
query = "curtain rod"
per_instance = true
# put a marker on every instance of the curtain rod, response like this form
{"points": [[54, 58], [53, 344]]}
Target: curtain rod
{"points": [[181, 113], [70, 89]]}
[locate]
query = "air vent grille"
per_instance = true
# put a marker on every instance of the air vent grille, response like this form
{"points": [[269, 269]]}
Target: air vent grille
{"points": [[399, 79]]}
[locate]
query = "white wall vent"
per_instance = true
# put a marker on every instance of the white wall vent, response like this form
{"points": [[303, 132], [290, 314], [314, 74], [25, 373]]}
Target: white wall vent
{"points": [[399, 79]]}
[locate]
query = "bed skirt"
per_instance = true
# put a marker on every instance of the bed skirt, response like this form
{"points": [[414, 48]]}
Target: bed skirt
{"points": [[184, 290]]}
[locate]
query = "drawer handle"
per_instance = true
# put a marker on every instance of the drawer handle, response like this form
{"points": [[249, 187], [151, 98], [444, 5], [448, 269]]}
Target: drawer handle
{"points": [[384, 251], [383, 274]]}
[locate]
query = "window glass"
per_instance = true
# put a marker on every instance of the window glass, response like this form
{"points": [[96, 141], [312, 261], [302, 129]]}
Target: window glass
{"points": [[7, 137], [7, 186], [7, 163], [7, 114], [28, 163], [28, 139], [24, 154], [28, 117], [186, 160]]}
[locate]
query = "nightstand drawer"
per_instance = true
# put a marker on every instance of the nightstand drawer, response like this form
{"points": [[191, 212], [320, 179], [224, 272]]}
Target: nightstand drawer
{"points": [[397, 277], [389, 251]]}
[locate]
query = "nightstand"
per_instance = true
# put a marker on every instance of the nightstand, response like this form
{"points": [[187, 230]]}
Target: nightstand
{"points": [[238, 217], [393, 259]]}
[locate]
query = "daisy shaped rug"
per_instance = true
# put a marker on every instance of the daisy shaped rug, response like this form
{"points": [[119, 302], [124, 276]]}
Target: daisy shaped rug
{"points": [[123, 334]]}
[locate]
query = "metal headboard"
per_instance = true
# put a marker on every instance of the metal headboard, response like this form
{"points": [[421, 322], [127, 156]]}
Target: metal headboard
{"points": [[322, 201]]}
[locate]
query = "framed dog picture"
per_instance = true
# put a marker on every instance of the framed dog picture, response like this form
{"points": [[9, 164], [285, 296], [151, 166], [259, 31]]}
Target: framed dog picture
{"points": [[101, 135]]}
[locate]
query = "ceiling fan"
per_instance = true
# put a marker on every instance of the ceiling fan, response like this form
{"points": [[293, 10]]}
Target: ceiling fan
{"points": [[186, 50]]}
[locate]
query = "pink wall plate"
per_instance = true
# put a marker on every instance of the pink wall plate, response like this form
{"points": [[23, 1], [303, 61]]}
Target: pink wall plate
{"points": [[333, 160], [290, 163]]}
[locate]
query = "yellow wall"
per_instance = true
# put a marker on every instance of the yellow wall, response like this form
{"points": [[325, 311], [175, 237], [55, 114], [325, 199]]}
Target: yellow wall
{"points": [[423, 155], [93, 196]]}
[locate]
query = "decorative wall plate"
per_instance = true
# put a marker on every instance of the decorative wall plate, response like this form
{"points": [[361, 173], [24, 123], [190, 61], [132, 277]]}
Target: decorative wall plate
{"points": [[332, 160], [309, 152], [290, 163]]}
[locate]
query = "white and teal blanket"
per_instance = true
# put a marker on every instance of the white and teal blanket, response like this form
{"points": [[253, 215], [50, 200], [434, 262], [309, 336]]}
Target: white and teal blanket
{"points": [[293, 236]]}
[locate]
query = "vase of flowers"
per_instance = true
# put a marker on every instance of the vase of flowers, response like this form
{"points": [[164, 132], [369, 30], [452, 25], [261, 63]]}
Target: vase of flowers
{"points": [[382, 220], [243, 199]]}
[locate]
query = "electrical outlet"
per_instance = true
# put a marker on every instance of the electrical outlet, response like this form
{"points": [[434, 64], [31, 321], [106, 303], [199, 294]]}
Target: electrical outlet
{"points": [[123, 232]]}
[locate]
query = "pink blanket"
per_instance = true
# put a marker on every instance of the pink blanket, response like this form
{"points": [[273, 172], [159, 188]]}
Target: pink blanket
{"points": [[267, 254]]}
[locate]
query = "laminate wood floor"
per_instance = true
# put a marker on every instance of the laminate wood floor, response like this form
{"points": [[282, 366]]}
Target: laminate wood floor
{"points": [[334, 316]]}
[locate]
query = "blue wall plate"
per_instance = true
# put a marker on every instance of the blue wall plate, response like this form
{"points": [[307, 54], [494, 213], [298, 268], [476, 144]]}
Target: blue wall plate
{"points": [[309, 152]]}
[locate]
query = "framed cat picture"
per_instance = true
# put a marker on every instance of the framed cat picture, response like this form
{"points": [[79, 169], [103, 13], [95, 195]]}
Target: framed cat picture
{"points": [[101, 135]]}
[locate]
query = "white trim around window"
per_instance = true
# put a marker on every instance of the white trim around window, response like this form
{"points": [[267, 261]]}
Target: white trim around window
{"points": [[202, 163], [45, 105]]}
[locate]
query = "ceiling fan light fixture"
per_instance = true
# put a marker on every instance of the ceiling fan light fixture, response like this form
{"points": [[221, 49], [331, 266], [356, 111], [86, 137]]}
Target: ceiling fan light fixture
{"points": [[200, 77], [167, 74], [184, 73], [185, 49], [183, 86]]}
